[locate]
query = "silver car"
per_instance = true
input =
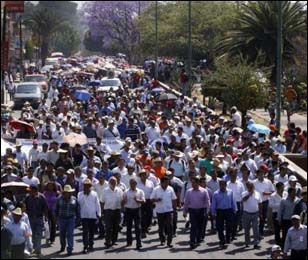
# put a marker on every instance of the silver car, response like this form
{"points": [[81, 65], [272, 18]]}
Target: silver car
{"points": [[28, 91]]}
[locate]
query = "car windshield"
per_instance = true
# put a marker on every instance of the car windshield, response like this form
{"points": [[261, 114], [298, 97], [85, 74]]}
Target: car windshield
{"points": [[34, 78], [110, 82], [26, 89]]}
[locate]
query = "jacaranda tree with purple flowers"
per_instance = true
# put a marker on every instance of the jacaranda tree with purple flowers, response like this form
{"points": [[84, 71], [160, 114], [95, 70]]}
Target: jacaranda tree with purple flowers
{"points": [[116, 22]]}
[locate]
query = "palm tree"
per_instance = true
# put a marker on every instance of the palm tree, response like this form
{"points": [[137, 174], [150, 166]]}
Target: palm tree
{"points": [[45, 24], [257, 32]]}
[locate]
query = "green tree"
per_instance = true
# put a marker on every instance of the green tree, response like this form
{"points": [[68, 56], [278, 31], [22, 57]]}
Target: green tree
{"points": [[209, 22], [257, 31], [45, 24], [67, 40], [29, 46], [236, 83]]}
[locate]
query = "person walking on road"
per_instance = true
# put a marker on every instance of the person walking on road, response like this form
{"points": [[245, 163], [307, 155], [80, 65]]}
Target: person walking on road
{"points": [[165, 199], [66, 212], [112, 202], [252, 210], [133, 199], [223, 208], [197, 202], [90, 210], [296, 240]]}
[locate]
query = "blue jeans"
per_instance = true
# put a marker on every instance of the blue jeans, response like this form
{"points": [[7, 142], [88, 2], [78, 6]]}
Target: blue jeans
{"points": [[37, 226], [66, 227]]}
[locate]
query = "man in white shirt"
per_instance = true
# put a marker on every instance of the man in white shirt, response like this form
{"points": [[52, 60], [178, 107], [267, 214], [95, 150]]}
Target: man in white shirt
{"points": [[43, 155], [112, 201], [147, 187], [236, 117], [283, 174], [252, 203], [265, 187], [274, 204], [21, 157], [33, 154], [238, 188], [30, 179], [120, 168], [133, 199], [100, 187], [165, 199], [90, 209], [152, 131], [130, 174]]}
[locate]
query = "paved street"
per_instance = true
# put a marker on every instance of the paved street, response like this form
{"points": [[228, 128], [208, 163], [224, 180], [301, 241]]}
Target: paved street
{"points": [[152, 249]]}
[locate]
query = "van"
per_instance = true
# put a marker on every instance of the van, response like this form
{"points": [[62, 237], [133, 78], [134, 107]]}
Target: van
{"points": [[28, 91]]}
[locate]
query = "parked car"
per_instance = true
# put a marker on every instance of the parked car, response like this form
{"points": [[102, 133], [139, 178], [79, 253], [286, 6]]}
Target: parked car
{"points": [[110, 84], [28, 91], [39, 78]]}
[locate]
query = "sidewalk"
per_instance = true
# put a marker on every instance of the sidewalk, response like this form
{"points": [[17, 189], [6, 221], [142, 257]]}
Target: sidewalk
{"points": [[299, 120]]}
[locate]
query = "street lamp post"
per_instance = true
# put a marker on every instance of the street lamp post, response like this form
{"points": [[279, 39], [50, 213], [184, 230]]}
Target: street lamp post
{"points": [[21, 49], [279, 65], [189, 48], [156, 40], [3, 42]]}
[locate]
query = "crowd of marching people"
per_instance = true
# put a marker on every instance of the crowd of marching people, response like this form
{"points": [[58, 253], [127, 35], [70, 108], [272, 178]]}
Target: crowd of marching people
{"points": [[178, 157]]}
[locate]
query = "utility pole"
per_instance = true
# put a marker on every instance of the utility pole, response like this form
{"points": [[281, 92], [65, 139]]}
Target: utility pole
{"points": [[279, 65], [21, 50], [3, 42], [189, 48], [139, 36], [156, 40]]}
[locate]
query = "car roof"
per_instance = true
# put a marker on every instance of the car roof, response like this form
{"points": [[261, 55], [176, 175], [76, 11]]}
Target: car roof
{"points": [[30, 75], [28, 83]]}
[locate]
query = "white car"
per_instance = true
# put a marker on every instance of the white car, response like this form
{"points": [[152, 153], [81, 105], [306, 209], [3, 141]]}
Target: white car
{"points": [[28, 91], [110, 84]]}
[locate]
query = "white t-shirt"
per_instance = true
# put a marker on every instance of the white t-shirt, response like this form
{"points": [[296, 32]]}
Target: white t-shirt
{"points": [[237, 118], [237, 188], [265, 186], [166, 196], [130, 195], [33, 181], [252, 204], [112, 198], [147, 188]]}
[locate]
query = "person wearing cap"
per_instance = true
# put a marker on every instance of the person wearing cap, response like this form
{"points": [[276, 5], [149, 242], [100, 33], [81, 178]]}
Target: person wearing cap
{"points": [[276, 252], [37, 210], [64, 160], [125, 178], [111, 132], [280, 147], [126, 151], [293, 183], [197, 202], [265, 187], [112, 202], [20, 232], [147, 187], [9, 176], [296, 240], [90, 210], [165, 200], [66, 211], [178, 165], [223, 207], [285, 212], [274, 204], [133, 199]]}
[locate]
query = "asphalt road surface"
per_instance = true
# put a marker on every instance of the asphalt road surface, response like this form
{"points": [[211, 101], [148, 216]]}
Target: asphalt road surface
{"points": [[151, 249]]}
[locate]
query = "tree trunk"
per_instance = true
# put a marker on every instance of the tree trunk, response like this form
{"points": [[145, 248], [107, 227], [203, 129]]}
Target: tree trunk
{"points": [[45, 48], [224, 108], [244, 113]]}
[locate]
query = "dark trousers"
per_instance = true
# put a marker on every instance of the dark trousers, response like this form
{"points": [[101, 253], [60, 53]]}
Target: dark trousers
{"points": [[224, 217], [101, 226], [52, 225], [133, 215], [88, 230], [197, 225], [165, 226], [205, 224], [112, 219], [285, 225], [237, 219], [175, 222], [301, 254], [264, 217], [146, 216], [18, 251], [277, 230]]}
